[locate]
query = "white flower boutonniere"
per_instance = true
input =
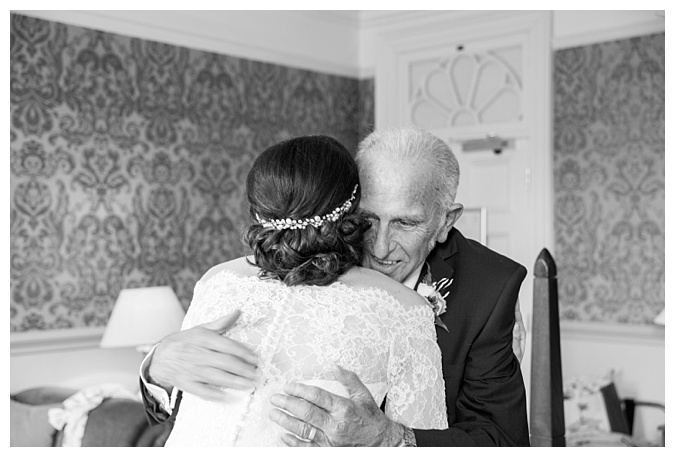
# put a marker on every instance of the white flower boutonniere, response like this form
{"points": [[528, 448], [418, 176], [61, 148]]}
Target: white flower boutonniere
{"points": [[433, 293]]}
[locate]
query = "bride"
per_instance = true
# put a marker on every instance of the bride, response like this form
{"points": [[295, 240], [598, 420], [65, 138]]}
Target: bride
{"points": [[306, 305]]}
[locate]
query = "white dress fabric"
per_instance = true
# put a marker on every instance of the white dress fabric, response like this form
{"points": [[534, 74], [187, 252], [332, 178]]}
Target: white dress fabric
{"points": [[298, 332]]}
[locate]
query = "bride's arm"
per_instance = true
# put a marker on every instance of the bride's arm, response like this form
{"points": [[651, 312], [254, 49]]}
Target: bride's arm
{"points": [[416, 395], [200, 358]]}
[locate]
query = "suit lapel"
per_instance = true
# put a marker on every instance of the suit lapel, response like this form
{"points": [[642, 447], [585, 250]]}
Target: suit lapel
{"points": [[440, 263], [440, 269], [439, 257]]}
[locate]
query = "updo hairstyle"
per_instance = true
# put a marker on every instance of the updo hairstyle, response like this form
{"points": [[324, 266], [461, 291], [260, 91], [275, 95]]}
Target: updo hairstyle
{"points": [[301, 178]]}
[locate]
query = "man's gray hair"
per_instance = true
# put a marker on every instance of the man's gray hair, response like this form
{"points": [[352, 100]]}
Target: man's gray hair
{"points": [[417, 145]]}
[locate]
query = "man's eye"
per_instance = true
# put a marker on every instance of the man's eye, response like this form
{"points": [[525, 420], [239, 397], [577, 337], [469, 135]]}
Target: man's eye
{"points": [[406, 224]]}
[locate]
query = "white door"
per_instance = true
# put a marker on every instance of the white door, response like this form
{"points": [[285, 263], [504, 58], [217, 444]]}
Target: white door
{"points": [[488, 76]]}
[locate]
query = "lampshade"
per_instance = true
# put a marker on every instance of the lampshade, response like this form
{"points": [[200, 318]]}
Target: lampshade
{"points": [[143, 316], [661, 318]]}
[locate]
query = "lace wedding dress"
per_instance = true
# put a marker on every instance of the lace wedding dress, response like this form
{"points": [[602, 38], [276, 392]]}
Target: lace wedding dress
{"points": [[298, 332]]}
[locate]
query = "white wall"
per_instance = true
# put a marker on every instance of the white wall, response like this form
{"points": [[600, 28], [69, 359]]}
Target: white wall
{"points": [[69, 358], [637, 357]]}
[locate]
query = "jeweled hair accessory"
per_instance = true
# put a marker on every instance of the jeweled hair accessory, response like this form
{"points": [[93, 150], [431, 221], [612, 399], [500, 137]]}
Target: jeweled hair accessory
{"points": [[316, 221]]}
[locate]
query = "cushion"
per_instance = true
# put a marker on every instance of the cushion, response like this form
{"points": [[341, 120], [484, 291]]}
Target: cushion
{"points": [[29, 424], [115, 422], [43, 395]]}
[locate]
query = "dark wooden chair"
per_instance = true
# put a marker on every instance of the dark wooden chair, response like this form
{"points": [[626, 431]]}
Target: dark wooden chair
{"points": [[547, 415]]}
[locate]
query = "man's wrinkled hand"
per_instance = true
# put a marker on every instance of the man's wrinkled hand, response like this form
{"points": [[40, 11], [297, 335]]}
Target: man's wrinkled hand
{"points": [[320, 418], [201, 359]]}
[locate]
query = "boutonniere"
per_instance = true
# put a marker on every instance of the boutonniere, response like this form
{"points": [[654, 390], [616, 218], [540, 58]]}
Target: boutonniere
{"points": [[435, 292]]}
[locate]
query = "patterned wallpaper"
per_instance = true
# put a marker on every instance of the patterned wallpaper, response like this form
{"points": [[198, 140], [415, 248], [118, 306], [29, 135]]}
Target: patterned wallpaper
{"points": [[129, 158], [366, 116], [609, 165]]}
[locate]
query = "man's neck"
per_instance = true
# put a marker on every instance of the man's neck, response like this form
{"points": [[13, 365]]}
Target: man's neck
{"points": [[411, 280]]}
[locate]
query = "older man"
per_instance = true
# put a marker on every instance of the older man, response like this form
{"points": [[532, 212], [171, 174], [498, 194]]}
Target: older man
{"points": [[409, 180]]}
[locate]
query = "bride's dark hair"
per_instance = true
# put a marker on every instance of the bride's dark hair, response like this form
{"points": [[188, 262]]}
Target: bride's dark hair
{"points": [[297, 179]]}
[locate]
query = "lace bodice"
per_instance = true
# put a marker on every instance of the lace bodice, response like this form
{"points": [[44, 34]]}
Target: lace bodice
{"points": [[298, 332]]}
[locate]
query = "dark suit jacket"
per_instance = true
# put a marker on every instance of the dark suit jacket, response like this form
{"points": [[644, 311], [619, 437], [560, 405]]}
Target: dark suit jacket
{"points": [[485, 394]]}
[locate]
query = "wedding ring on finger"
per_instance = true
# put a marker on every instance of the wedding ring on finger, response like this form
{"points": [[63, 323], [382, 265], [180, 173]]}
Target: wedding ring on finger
{"points": [[312, 433]]}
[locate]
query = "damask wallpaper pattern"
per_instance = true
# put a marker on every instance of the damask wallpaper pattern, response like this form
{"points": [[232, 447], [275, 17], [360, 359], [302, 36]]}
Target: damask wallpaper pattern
{"points": [[609, 166], [366, 115], [129, 160]]}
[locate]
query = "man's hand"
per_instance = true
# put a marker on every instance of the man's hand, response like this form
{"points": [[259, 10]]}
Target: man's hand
{"points": [[200, 360], [325, 419], [519, 335]]}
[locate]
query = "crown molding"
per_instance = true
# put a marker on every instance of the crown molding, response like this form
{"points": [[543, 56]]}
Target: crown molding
{"points": [[411, 18], [583, 28], [328, 44], [340, 42], [349, 18]]}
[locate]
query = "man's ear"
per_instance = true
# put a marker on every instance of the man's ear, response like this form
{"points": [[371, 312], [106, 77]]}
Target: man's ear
{"points": [[451, 216]]}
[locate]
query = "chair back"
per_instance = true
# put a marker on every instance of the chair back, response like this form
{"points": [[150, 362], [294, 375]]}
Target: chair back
{"points": [[547, 415]]}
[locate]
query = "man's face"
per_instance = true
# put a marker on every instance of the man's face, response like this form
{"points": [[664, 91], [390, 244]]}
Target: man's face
{"points": [[406, 225]]}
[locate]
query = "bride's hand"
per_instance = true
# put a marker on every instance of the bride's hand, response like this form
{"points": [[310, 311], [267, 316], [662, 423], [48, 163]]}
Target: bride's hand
{"points": [[325, 419], [201, 359]]}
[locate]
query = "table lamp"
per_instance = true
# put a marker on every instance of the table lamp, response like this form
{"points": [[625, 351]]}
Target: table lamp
{"points": [[143, 316]]}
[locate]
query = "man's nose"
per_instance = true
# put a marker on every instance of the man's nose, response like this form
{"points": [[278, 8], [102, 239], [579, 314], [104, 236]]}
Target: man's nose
{"points": [[381, 242]]}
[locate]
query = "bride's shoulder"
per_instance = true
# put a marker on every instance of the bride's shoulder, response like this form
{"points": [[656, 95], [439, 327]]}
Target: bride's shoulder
{"points": [[239, 266], [359, 277]]}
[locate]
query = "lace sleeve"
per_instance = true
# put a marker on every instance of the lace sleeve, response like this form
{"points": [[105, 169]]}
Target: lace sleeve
{"points": [[192, 316], [416, 395], [196, 313]]}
